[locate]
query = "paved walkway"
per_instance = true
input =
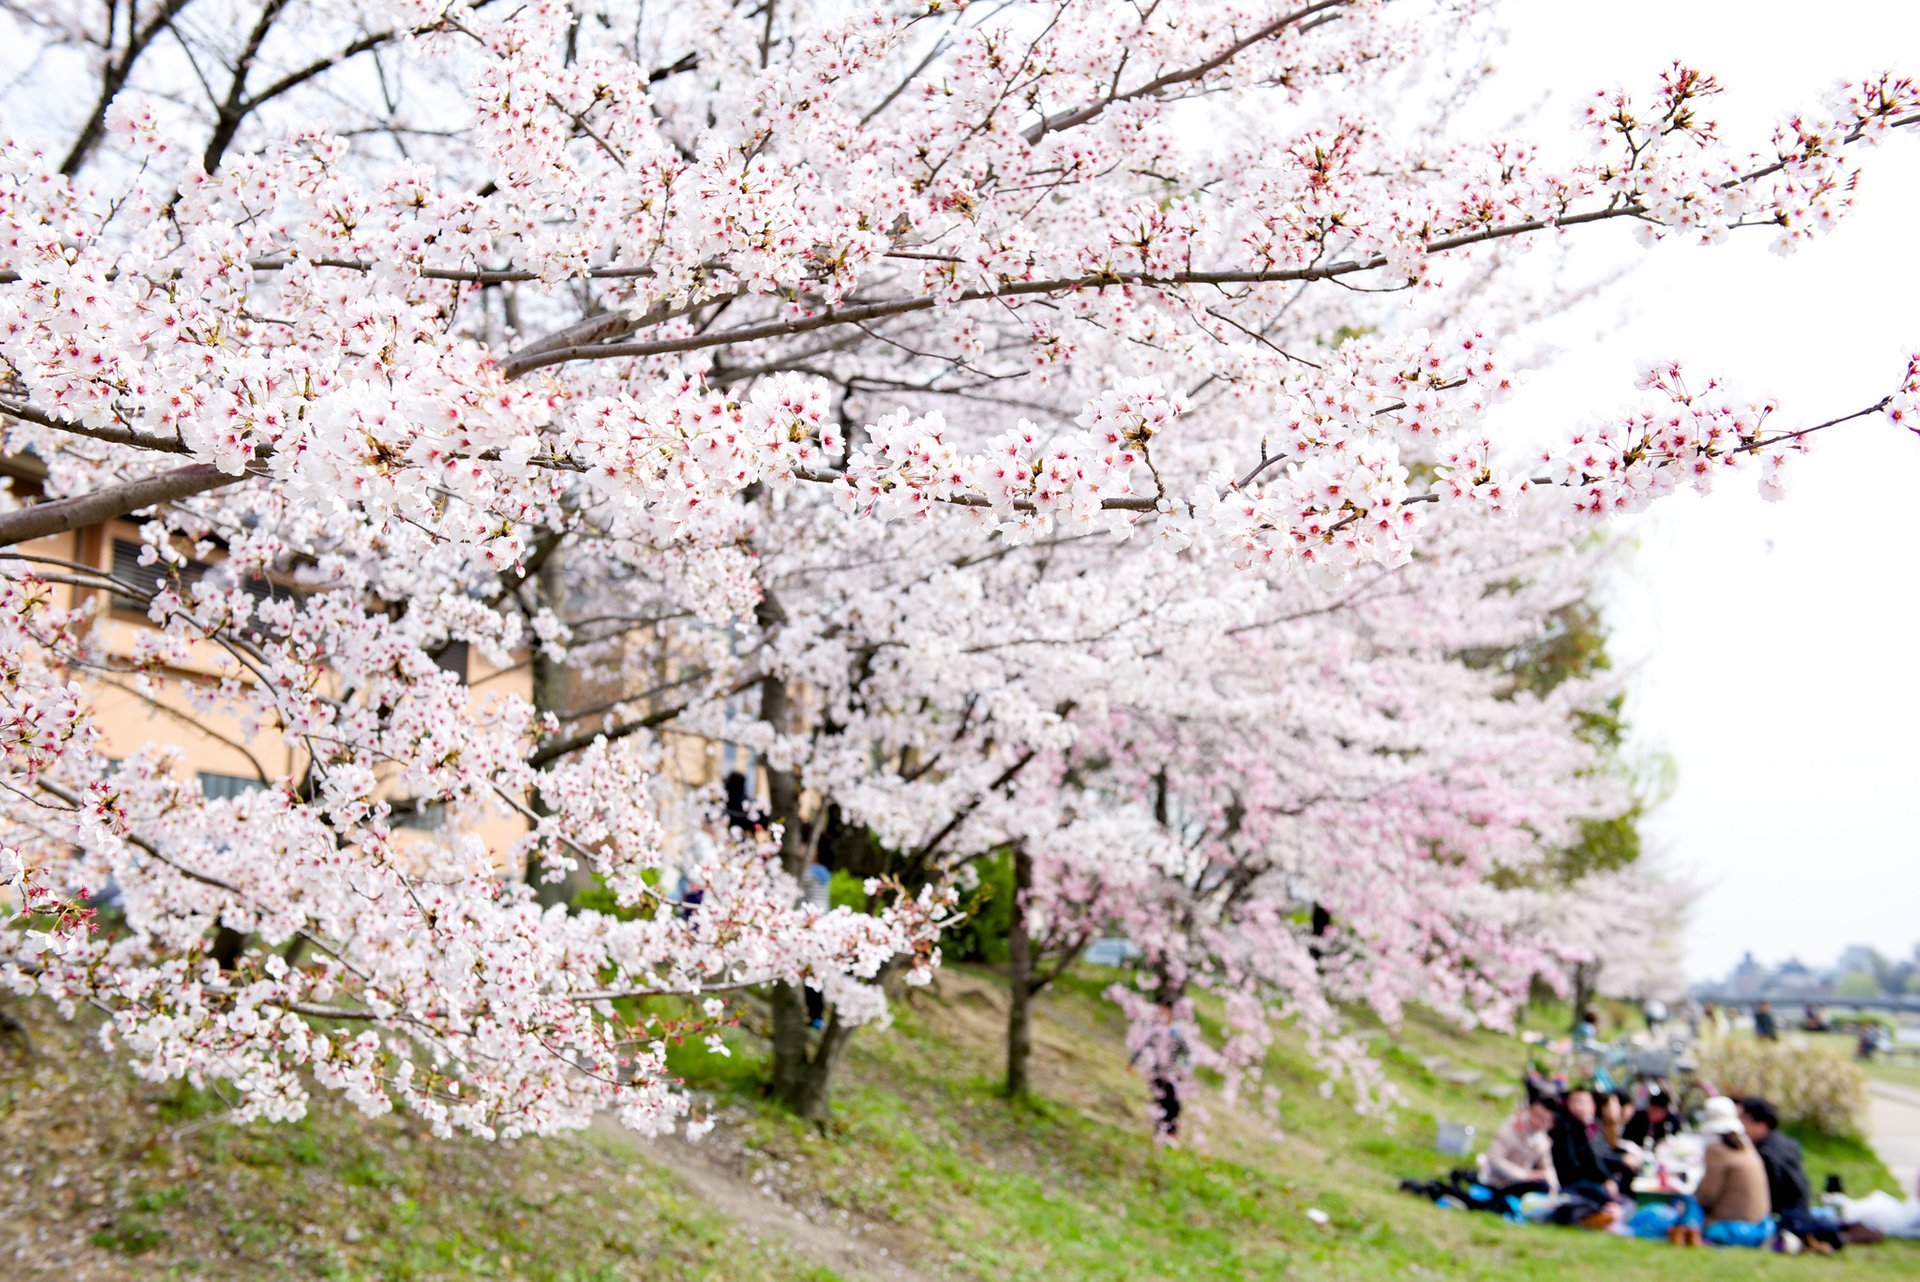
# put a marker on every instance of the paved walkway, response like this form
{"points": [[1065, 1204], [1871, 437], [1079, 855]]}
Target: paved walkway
{"points": [[1893, 1124]]}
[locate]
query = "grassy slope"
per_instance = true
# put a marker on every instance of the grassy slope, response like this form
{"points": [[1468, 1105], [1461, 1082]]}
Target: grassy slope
{"points": [[1071, 1188], [922, 1148], [102, 1176]]}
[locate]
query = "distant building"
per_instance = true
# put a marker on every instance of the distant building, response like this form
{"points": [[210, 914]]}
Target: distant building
{"points": [[1857, 957], [1748, 978], [1795, 979], [1860, 969]]}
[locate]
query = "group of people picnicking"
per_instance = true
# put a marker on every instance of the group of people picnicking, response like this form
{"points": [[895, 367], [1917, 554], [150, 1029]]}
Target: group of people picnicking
{"points": [[1626, 1161]]}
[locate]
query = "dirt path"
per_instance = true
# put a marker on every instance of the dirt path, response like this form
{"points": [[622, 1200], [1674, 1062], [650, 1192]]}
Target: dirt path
{"points": [[853, 1250], [1893, 1124]]}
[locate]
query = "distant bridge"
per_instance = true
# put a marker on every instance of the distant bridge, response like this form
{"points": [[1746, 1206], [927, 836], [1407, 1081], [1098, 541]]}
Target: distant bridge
{"points": [[1909, 1003]]}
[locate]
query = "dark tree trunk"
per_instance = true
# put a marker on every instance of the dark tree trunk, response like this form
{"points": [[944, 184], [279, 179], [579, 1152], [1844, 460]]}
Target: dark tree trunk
{"points": [[228, 944], [814, 1098], [1020, 984], [14, 1035], [792, 1064], [1583, 977], [801, 1073], [550, 694]]}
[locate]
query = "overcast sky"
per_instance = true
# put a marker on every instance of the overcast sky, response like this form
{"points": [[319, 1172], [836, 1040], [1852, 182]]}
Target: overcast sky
{"points": [[1774, 645]]}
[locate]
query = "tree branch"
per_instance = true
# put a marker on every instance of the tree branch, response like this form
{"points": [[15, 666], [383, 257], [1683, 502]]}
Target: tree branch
{"points": [[1081, 115], [61, 515]]}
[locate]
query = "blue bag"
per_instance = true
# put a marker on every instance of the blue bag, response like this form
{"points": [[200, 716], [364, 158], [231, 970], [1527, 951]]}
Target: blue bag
{"points": [[1654, 1220], [1740, 1232]]}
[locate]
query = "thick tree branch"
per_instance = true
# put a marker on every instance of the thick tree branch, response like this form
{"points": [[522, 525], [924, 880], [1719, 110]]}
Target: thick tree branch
{"points": [[61, 515]]}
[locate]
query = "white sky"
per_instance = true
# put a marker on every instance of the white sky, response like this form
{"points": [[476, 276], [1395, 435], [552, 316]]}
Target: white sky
{"points": [[1775, 643]]}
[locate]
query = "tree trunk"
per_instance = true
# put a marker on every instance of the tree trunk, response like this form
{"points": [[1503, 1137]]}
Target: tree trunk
{"points": [[814, 1099], [792, 1066], [797, 1081], [1020, 984], [1582, 990], [14, 1034], [550, 694]]}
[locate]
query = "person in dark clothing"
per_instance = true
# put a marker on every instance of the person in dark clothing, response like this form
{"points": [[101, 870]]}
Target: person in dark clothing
{"points": [[1653, 1121], [1165, 1054], [1764, 1027], [1787, 1185], [1166, 1106], [739, 808], [1788, 1190], [1582, 1158]]}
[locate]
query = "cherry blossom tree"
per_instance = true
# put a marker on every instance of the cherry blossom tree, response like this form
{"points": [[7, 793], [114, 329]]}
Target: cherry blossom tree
{"points": [[1334, 803], [924, 391]]}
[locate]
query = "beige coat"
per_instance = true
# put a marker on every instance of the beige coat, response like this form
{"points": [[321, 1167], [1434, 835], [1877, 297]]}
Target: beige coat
{"points": [[1518, 1153], [1735, 1184]]}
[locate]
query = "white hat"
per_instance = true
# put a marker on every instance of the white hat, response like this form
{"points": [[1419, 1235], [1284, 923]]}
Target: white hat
{"points": [[1719, 1117]]}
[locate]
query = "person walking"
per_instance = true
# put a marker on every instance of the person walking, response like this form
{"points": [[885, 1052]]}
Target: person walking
{"points": [[1165, 1054], [1764, 1027]]}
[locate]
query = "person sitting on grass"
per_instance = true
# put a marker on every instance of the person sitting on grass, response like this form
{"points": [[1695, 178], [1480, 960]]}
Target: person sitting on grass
{"points": [[1787, 1186], [1582, 1160], [1789, 1192], [1733, 1192], [1653, 1121], [1520, 1157], [1615, 1107]]}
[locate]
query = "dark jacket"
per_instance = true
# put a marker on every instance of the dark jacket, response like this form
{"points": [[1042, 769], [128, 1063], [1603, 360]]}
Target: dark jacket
{"points": [[1641, 1129], [1581, 1154], [1787, 1186], [1764, 1027]]}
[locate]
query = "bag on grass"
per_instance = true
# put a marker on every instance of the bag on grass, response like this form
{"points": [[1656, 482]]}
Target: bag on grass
{"points": [[1741, 1232], [1654, 1221]]}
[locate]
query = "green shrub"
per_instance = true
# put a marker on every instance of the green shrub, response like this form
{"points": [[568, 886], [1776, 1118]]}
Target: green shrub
{"points": [[982, 937], [1810, 1085], [848, 890]]}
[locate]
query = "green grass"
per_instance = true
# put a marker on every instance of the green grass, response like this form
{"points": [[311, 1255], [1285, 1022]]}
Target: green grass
{"points": [[923, 1150], [1900, 1070], [1904, 1072], [153, 1183], [1070, 1186]]}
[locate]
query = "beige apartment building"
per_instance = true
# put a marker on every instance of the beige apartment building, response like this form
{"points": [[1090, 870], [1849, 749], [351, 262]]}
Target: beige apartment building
{"points": [[225, 756]]}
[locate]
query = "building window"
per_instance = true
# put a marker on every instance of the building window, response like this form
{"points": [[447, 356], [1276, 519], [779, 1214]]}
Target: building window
{"points": [[453, 657], [226, 787], [127, 569], [422, 816]]}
